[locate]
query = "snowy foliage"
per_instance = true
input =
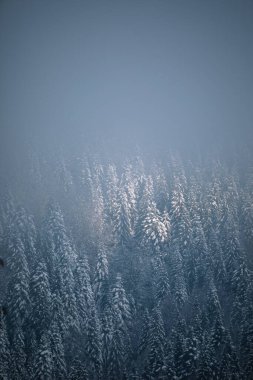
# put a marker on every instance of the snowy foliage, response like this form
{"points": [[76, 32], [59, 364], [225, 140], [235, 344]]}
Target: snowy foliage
{"points": [[140, 270]]}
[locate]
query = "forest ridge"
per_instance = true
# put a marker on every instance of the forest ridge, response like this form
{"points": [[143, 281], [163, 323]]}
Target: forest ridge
{"points": [[133, 270]]}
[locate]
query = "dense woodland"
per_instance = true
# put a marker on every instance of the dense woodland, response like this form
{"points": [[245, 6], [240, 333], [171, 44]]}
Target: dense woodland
{"points": [[140, 269]]}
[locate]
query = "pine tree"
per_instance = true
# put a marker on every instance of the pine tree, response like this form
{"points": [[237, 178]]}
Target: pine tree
{"points": [[247, 218], [18, 292], [155, 228], [189, 358], [43, 366], [231, 245], [120, 340], [83, 290], [178, 286], [240, 283], [161, 190], [218, 265], [246, 343], [61, 262], [213, 304], [122, 224], [57, 311], [180, 219], [101, 278], [170, 365], [116, 362], [18, 355], [89, 322], [218, 333], [106, 337], [207, 365], [31, 349], [128, 182], [4, 350], [145, 196], [229, 367], [178, 343], [213, 203], [120, 303], [145, 333], [162, 286], [30, 240], [93, 345], [156, 356], [97, 201], [41, 298], [199, 252], [196, 320], [112, 192], [57, 349]]}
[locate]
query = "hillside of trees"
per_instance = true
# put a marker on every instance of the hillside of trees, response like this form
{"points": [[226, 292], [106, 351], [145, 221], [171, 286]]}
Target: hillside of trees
{"points": [[132, 270]]}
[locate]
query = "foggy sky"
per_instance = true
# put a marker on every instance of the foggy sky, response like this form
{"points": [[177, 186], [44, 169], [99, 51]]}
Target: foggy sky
{"points": [[151, 71]]}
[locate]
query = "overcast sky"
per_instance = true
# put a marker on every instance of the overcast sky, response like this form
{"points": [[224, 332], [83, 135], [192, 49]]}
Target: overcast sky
{"points": [[161, 70]]}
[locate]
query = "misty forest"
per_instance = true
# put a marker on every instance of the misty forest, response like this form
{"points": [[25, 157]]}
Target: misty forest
{"points": [[140, 269], [126, 190]]}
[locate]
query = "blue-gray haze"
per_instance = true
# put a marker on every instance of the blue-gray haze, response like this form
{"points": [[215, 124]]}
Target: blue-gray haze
{"points": [[149, 71]]}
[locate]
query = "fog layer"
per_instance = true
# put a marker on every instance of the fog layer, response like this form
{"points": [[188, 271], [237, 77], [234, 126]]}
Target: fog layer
{"points": [[155, 72]]}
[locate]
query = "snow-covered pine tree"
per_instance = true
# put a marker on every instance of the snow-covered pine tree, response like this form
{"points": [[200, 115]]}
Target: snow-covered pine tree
{"points": [[59, 370], [189, 358], [93, 345], [101, 278], [5, 353], [41, 298], [120, 340], [162, 286], [177, 284], [229, 365], [18, 288], [120, 303], [43, 366], [207, 364], [83, 289], [60, 259], [155, 228], [180, 218], [122, 224], [156, 363], [18, 355]]}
